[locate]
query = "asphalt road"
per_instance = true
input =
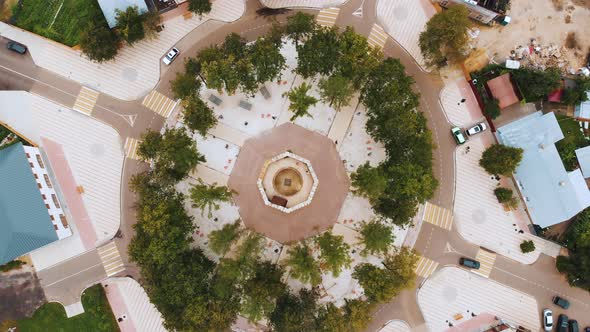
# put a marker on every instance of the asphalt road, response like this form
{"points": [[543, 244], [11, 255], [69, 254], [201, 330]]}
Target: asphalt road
{"points": [[131, 119]]}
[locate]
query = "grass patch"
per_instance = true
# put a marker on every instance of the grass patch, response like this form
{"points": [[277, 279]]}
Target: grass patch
{"points": [[71, 18], [573, 139], [98, 316]]}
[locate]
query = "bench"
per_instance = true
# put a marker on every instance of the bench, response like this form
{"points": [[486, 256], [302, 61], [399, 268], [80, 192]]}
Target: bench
{"points": [[245, 105], [265, 92], [215, 100]]}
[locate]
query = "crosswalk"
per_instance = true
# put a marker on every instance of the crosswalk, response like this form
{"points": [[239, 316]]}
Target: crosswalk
{"points": [[327, 17], [159, 103], [486, 260], [86, 100], [425, 267], [111, 259], [377, 37], [438, 216], [131, 146]]}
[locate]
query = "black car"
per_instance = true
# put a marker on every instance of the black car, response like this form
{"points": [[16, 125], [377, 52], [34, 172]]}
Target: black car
{"points": [[469, 263], [561, 302], [562, 323], [16, 47], [574, 325]]}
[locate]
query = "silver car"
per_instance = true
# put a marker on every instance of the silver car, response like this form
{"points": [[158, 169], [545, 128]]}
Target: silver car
{"points": [[547, 320], [478, 128], [172, 54]]}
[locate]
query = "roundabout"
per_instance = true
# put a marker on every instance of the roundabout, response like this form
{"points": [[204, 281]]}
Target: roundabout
{"points": [[289, 189]]}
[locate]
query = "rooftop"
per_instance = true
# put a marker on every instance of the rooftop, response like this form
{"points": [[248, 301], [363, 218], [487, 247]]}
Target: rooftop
{"points": [[502, 89], [551, 194], [582, 110], [24, 219], [583, 155]]}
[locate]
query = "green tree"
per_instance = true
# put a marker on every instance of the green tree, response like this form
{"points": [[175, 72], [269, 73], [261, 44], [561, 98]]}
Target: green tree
{"points": [[369, 182], [295, 313], [98, 42], [303, 266], [318, 54], [221, 74], [383, 284], [356, 59], [577, 94], [221, 240], [500, 159], [333, 253], [535, 84], [174, 154], [234, 45], [357, 314], [300, 26], [331, 319], [199, 7], [208, 197], [445, 37], [151, 24], [576, 266], [198, 117], [267, 60], [300, 102], [130, 24], [527, 246], [503, 195], [376, 237], [337, 91], [411, 180], [184, 85], [492, 108], [261, 291]]}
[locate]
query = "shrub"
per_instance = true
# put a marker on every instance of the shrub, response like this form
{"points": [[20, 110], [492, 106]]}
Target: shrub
{"points": [[527, 246], [12, 265], [376, 237], [500, 159], [503, 195], [492, 108]]}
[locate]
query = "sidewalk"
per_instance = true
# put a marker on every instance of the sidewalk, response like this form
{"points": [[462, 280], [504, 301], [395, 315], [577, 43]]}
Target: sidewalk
{"points": [[302, 3], [136, 70], [404, 20]]}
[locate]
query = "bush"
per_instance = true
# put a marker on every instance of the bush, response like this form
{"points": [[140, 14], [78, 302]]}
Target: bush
{"points": [[500, 159], [376, 237], [99, 43], [492, 108], [503, 195], [527, 246], [12, 265]]}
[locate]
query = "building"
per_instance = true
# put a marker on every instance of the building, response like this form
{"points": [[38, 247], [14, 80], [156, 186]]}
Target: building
{"points": [[583, 156], [31, 214], [502, 88], [476, 12], [551, 194], [109, 8]]}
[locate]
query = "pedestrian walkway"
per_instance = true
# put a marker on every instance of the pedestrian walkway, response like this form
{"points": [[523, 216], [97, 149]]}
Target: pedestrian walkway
{"points": [[86, 100], [229, 134], [377, 37], [159, 103], [136, 69], [302, 3], [459, 103], [111, 259], [438, 216], [404, 20], [131, 146], [209, 175], [327, 17], [425, 267], [486, 260]]}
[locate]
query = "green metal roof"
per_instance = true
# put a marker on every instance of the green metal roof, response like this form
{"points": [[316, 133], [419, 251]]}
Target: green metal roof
{"points": [[25, 224]]}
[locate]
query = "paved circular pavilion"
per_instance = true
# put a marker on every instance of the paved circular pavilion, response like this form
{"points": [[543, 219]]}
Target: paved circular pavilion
{"points": [[320, 213]]}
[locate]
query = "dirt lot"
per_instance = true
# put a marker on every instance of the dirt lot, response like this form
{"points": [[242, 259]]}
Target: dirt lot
{"points": [[549, 21], [20, 293]]}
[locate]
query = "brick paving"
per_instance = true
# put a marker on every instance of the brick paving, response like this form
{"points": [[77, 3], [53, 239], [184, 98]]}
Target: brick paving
{"points": [[302, 3]]}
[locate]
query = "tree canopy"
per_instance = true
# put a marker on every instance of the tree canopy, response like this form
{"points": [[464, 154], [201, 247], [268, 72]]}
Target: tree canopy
{"points": [[207, 197], [299, 26], [376, 237], [198, 117], [334, 253], [299, 101], [576, 266], [369, 182], [336, 91], [445, 38], [130, 24], [199, 7], [98, 42], [536, 84], [221, 240], [303, 266], [500, 159]]}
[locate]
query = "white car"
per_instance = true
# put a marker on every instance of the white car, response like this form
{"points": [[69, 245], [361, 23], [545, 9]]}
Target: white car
{"points": [[172, 54], [547, 320], [478, 128]]}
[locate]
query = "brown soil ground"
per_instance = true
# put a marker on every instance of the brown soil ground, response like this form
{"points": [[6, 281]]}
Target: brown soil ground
{"points": [[544, 20]]}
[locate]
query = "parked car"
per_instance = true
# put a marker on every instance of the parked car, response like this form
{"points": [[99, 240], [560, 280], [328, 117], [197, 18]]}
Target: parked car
{"points": [[458, 135], [469, 263], [562, 323], [547, 320], [574, 325], [561, 302], [587, 329], [478, 128], [16, 47], [170, 56]]}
